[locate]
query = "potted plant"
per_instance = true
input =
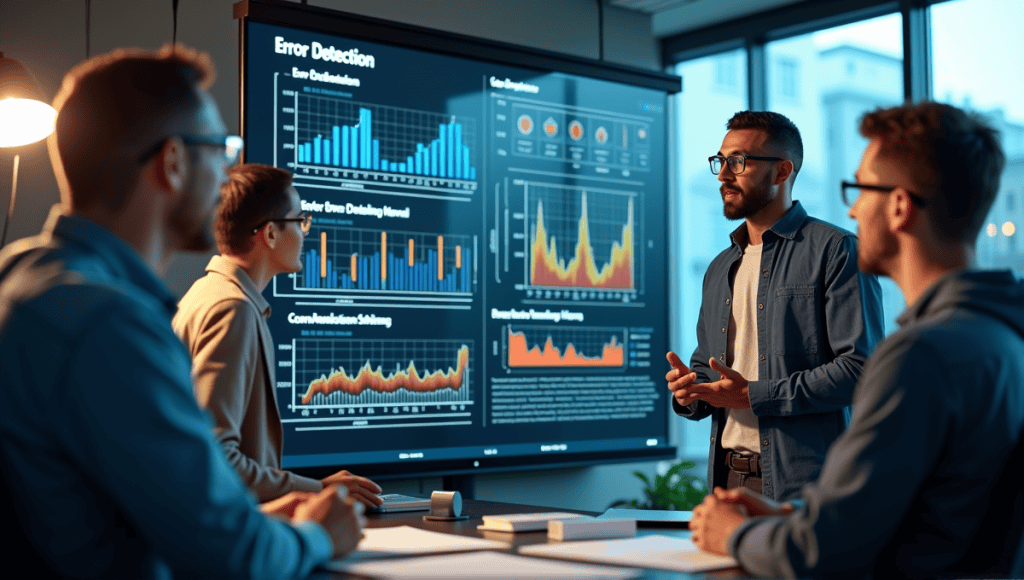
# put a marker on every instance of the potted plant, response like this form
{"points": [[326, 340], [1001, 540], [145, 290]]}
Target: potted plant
{"points": [[675, 490]]}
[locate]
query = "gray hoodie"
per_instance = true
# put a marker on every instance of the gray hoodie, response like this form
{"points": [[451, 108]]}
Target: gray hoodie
{"points": [[922, 483]]}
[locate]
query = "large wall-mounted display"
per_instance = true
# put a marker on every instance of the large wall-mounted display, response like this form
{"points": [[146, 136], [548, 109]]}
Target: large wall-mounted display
{"points": [[484, 283]]}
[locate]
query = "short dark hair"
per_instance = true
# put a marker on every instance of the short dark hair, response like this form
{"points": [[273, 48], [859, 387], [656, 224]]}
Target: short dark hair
{"points": [[108, 104], [954, 154], [782, 133], [253, 194]]}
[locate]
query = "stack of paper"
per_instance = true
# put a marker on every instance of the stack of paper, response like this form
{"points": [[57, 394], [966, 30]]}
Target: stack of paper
{"points": [[660, 552], [408, 541], [490, 565]]}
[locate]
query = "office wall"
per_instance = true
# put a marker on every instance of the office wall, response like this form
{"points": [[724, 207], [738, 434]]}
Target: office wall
{"points": [[49, 37]]}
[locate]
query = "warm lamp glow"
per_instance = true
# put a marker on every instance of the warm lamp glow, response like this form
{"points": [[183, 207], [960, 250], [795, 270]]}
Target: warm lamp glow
{"points": [[1009, 229], [992, 230], [24, 121]]}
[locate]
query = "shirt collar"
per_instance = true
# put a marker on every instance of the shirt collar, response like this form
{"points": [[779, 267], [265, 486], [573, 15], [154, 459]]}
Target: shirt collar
{"points": [[235, 273], [122, 260], [786, 227]]}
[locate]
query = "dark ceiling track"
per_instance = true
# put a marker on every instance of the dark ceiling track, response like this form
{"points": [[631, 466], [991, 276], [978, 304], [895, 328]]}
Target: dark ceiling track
{"points": [[88, 35], [600, 29], [174, 25]]}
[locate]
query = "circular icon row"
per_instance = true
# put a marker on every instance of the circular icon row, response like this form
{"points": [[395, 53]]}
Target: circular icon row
{"points": [[550, 126]]}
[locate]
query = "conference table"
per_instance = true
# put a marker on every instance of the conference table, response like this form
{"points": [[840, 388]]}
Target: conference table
{"points": [[475, 509]]}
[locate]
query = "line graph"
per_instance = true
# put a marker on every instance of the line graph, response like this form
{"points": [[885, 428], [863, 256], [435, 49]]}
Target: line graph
{"points": [[341, 373], [554, 347], [579, 238]]}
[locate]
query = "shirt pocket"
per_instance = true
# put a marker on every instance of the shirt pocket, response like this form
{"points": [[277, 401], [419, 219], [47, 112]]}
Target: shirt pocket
{"points": [[795, 331]]}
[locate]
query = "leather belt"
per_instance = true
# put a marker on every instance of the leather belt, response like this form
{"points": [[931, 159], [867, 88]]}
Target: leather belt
{"points": [[744, 463]]}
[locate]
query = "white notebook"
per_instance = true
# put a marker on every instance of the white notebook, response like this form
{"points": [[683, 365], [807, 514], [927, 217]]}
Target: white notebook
{"points": [[524, 522]]}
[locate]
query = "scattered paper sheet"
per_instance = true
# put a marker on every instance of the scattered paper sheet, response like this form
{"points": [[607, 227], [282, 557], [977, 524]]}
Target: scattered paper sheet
{"points": [[489, 565], [661, 552], [408, 541]]}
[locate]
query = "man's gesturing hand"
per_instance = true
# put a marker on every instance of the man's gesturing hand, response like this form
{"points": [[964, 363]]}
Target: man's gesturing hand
{"points": [[679, 378], [731, 391], [340, 515]]}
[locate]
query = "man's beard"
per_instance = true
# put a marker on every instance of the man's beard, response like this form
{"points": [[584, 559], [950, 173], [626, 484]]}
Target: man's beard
{"points": [[750, 202], [193, 229]]}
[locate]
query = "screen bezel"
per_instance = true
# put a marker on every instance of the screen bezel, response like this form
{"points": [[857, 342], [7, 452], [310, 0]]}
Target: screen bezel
{"points": [[332, 22]]}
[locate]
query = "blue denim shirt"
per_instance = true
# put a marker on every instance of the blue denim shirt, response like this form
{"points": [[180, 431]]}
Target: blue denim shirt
{"points": [[106, 454], [818, 318]]}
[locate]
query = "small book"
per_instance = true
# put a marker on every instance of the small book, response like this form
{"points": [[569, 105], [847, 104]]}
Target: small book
{"points": [[524, 522], [590, 529]]}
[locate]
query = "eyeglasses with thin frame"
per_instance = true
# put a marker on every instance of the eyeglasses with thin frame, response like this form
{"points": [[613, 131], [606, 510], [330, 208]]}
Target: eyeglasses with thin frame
{"points": [[304, 220], [737, 163], [848, 201], [232, 144]]}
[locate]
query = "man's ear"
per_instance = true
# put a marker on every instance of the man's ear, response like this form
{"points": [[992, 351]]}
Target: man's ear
{"points": [[785, 169], [270, 235], [174, 165], [901, 211]]}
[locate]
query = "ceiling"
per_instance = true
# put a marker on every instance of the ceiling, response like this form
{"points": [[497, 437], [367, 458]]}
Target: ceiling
{"points": [[670, 17]]}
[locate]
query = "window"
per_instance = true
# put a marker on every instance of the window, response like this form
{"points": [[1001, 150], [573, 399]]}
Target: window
{"points": [[788, 78], [701, 231], [727, 71], [970, 42], [851, 70]]}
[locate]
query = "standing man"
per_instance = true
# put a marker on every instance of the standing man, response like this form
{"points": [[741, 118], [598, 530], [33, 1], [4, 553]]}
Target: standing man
{"points": [[109, 468], [260, 227], [786, 321], [926, 480]]}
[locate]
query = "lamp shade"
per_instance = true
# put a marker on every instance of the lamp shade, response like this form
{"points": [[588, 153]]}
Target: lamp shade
{"points": [[24, 117]]}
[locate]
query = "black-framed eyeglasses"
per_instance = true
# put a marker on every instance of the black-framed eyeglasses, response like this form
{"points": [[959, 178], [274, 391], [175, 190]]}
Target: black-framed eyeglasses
{"points": [[849, 201], [232, 144], [737, 163], [304, 220]]}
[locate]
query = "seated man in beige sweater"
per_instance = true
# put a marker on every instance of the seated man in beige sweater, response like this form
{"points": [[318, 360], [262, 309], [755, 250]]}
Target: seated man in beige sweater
{"points": [[260, 227]]}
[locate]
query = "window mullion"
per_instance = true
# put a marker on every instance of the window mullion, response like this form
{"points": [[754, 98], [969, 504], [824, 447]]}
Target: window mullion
{"points": [[917, 85]]}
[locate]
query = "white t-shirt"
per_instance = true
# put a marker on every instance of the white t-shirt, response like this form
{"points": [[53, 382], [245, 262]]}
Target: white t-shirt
{"points": [[740, 432]]}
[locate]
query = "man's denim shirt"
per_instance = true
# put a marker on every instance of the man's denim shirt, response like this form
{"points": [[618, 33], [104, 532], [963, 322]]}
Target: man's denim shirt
{"points": [[818, 318]]}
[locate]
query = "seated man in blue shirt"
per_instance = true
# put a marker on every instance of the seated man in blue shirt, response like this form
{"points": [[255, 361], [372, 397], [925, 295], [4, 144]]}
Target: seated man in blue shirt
{"points": [[925, 482], [109, 465]]}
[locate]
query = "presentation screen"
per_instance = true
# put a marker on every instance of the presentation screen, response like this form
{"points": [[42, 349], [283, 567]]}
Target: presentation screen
{"points": [[484, 284]]}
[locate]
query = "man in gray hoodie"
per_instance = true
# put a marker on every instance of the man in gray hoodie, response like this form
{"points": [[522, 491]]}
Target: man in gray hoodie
{"points": [[925, 481]]}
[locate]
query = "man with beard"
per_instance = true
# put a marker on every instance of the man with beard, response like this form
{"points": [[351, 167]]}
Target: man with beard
{"points": [[260, 228], [786, 321], [925, 483], [109, 466]]}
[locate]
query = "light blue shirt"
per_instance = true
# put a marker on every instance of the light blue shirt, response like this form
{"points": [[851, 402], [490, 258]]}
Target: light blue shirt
{"points": [[105, 450]]}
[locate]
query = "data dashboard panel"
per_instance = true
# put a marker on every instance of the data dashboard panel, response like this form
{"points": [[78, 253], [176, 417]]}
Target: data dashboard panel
{"points": [[484, 282]]}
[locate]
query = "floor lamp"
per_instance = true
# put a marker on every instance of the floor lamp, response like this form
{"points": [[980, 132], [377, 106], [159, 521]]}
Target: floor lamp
{"points": [[24, 118]]}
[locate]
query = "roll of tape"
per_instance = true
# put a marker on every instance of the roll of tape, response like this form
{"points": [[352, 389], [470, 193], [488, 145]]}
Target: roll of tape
{"points": [[446, 504]]}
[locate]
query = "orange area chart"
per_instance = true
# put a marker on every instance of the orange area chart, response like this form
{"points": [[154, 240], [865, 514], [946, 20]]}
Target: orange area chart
{"points": [[374, 379], [518, 355], [547, 269]]}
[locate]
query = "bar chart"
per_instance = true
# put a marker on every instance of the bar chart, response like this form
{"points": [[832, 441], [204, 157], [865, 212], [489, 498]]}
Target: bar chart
{"points": [[344, 259], [336, 133]]}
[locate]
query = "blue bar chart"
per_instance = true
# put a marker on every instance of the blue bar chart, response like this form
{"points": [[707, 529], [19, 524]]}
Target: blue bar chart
{"points": [[343, 259], [334, 133]]}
